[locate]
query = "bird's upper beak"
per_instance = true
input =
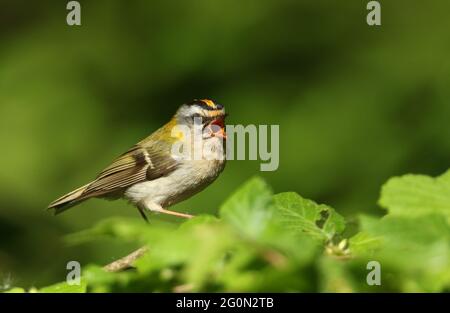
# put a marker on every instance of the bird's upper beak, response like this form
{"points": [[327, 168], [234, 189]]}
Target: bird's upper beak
{"points": [[217, 127]]}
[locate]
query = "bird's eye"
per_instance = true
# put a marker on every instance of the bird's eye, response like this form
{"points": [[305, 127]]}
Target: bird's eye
{"points": [[197, 118]]}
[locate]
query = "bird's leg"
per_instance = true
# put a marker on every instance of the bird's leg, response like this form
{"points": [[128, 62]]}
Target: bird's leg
{"points": [[175, 213], [152, 206], [141, 211]]}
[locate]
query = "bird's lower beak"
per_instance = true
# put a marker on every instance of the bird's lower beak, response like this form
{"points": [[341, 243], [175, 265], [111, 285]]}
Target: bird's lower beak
{"points": [[221, 133], [217, 128]]}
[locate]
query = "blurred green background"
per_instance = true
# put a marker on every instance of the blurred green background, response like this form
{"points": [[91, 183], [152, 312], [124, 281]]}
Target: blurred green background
{"points": [[355, 104]]}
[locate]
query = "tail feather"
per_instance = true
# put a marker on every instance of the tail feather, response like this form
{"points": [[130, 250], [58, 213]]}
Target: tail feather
{"points": [[69, 200]]}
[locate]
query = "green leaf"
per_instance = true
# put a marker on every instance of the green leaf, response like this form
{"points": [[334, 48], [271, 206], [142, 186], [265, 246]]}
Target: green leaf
{"points": [[303, 215], [414, 195], [198, 242], [249, 209], [335, 276], [99, 280], [364, 244], [415, 251], [15, 290], [64, 287]]}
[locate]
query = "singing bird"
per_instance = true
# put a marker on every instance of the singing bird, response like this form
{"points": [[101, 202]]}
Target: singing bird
{"points": [[150, 176]]}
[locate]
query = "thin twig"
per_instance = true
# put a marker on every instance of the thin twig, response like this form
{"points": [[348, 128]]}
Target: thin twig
{"points": [[125, 262]]}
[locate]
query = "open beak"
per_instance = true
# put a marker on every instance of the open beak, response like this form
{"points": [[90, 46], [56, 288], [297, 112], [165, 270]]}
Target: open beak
{"points": [[221, 134], [218, 128]]}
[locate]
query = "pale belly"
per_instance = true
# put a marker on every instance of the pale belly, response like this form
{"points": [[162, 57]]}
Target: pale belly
{"points": [[188, 179]]}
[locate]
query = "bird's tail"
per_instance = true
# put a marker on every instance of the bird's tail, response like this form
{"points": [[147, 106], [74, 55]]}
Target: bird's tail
{"points": [[67, 201]]}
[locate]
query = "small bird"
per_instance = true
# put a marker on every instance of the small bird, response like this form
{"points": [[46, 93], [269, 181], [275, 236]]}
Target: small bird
{"points": [[150, 176]]}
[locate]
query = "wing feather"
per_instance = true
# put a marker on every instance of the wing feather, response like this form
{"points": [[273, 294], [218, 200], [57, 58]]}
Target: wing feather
{"points": [[136, 165]]}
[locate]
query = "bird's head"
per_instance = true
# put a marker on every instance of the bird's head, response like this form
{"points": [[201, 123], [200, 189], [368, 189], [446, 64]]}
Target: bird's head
{"points": [[206, 112]]}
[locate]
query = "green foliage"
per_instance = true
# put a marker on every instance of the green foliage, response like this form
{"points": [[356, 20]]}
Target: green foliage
{"points": [[283, 242], [416, 251], [319, 221], [250, 209], [416, 195], [64, 287]]}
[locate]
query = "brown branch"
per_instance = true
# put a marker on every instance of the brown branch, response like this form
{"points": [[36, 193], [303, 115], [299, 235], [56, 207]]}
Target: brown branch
{"points": [[125, 262], [183, 288]]}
